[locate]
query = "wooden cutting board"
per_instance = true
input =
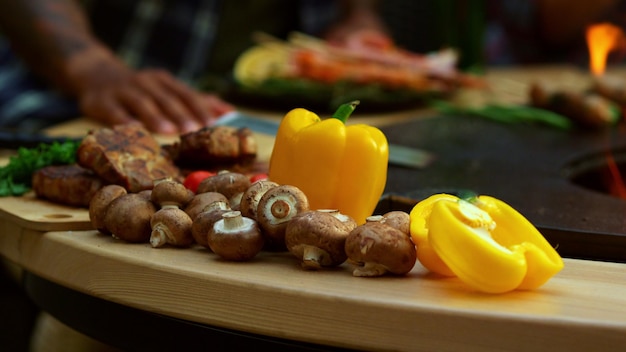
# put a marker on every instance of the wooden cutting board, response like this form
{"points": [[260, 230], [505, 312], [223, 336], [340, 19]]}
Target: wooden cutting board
{"points": [[29, 212]]}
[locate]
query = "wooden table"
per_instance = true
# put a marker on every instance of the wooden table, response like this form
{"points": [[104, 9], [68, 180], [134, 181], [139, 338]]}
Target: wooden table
{"points": [[581, 308]]}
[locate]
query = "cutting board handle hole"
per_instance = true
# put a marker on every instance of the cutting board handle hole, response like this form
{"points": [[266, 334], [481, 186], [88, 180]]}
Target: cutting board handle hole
{"points": [[57, 216]]}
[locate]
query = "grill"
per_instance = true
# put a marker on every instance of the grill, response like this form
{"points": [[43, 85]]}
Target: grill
{"points": [[556, 178]]}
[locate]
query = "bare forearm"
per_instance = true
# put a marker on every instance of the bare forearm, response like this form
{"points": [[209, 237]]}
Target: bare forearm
{"points": [[48, 35], [54, 38]]}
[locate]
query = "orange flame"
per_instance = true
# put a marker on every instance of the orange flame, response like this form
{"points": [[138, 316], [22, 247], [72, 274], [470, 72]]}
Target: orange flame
{"points": [[601, 39], [617, 186]]}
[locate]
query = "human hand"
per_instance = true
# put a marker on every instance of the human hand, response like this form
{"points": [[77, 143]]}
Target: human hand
{"points": [[112, 93], [155, 98]]}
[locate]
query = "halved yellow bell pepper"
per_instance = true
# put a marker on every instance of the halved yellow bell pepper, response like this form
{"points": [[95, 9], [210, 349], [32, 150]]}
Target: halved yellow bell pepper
{"points": [[488, 244], [419, 234], [336, 166]]}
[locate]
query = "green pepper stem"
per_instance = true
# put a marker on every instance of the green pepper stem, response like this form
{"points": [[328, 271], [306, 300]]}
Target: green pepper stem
{"points": [[469, 196], [345, 110]]}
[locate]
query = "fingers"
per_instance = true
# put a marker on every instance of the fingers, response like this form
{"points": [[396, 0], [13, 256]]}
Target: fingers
{"points": [[146, 109], [187, 108], [104, 109], [175, 101], [155, 98], [187, 98]]}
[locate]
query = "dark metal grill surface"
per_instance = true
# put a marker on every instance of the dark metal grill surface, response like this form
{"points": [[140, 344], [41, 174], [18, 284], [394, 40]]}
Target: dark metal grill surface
{"points": [[531, 167]]}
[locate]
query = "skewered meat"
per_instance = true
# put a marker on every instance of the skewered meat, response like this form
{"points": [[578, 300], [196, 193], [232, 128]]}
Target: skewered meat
{"points": [[587, 109], [361, 61], [127, 155], [612, 88], [214, 147], [66, 184]]}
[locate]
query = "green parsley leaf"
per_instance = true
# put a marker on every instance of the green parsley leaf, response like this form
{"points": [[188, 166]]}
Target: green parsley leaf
{"points": [[16, 176]]}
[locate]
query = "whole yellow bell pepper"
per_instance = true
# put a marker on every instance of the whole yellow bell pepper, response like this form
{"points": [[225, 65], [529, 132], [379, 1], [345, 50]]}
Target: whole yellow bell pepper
{"points": [[336, 166], [485, 242]]}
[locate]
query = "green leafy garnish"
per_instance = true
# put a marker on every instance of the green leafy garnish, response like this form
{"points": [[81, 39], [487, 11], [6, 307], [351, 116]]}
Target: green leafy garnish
{"points": [[16, 176], [508, 114], [283, 93]]}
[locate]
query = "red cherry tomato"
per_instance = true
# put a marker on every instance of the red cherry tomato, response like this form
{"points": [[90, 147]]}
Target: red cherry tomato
{"points": [[193, 179], [257, 177]]}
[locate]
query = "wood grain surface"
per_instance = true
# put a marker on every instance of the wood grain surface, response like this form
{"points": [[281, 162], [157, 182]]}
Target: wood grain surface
{"points": [[581, 308], [29, 212]]}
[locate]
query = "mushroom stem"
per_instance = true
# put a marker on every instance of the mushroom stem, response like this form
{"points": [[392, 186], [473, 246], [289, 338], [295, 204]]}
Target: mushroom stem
{"points": [[232, 220], [277, 207], [159, 236], [374, 218], [370, 269], [280, 208], [314, 257], [170, 226], [235, 237]]}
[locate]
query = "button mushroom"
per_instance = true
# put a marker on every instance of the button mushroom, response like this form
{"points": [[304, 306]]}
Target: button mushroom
{"points": [[252, 196], [200, 201], [128, 217], [170, 192], [170, 225], [381, 249], [204, 221], [230, 184], [276, 208], [397, 219], [318, 237], [235, 237], [146, 193], [99, 203]]}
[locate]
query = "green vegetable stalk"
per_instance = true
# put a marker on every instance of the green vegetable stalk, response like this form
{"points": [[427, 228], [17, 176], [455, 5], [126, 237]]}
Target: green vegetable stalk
{"points": [[16, 176], [508, 114]]}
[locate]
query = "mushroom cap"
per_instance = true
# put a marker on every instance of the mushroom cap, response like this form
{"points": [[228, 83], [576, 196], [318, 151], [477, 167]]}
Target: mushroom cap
{"points": [[239, 242], [168, 192], [276, 208], [398, 219], [227, 183], [203, 224], [382, 245], [324, 230], [200, 201], [128, 217], [172, 224], [100, 202], [252, 196], [146, 193]]}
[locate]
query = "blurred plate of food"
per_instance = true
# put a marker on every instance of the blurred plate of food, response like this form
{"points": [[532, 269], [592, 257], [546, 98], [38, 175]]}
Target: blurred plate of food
{"points": [[310, 72]]}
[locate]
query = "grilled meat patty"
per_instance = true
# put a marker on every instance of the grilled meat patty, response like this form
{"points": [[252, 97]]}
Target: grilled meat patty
{"points": [[127, 155], [66, 184], [214, 147]]}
